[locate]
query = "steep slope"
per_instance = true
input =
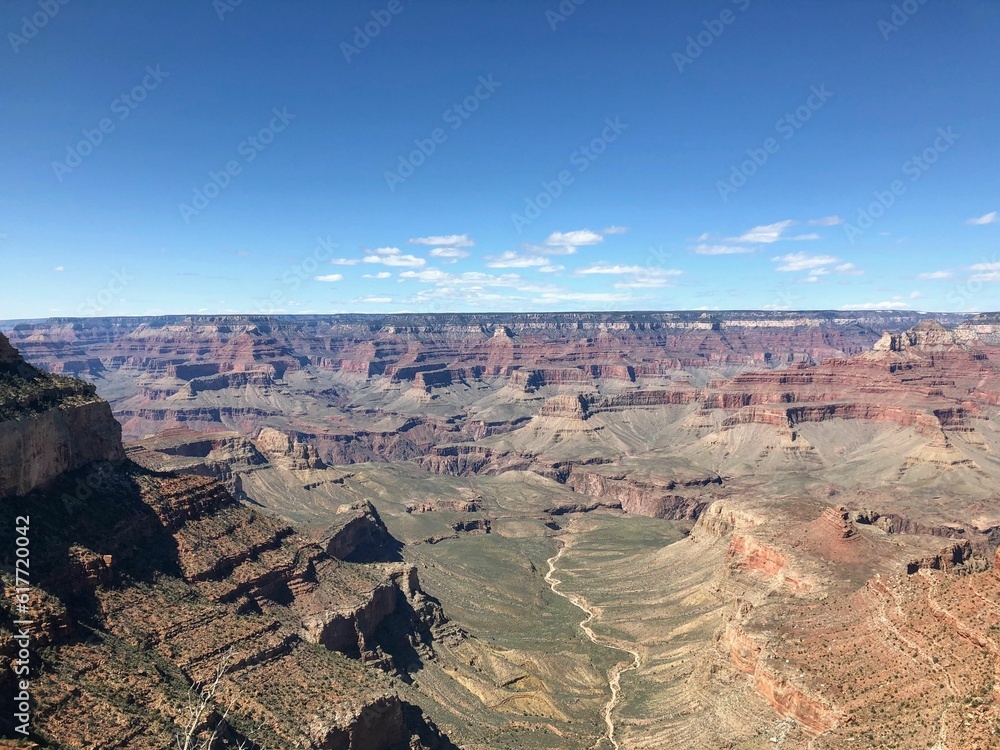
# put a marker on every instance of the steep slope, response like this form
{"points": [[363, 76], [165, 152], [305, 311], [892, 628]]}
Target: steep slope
{"points": [[142, 584], [48, 425]]}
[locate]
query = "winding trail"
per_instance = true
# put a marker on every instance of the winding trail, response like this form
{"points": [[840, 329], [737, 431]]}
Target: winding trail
{"points": [[615, 675]]}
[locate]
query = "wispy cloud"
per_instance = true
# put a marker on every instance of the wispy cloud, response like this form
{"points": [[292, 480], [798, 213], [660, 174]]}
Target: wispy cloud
{"points": [[639, 277], [444, 240], [511, 259], [330, 277], [548, 298], [795, 262], [826, 221], [450, 254], [991, 218], [767, 234], [930, 275], [705, 249], [374, 300], [567, 243], [393, 256], [380, 275], [612, 270], [850, 269], [985, 272], [895, 303]]}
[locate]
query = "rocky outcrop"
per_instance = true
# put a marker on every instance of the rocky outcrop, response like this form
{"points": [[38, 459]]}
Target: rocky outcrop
{"points": [[927, 336], [172, 579], [721, 518], [749, 554], [674, 499], [48, 425], [788, 700], [949, 558], [299, 455], [362, 537]]}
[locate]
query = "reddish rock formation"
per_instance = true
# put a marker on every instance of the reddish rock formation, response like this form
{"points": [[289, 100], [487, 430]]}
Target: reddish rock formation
{"points": [[928, 378], [170, 577], [750, 554]]}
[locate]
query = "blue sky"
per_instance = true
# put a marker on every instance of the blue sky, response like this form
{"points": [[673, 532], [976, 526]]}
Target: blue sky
{"points": [[431, 156]]}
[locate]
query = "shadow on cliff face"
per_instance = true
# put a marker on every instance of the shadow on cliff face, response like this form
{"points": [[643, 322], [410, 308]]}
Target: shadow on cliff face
{"points": [[406, 636], [89, 529], [92, 527], [426, 730], [383, 549]]}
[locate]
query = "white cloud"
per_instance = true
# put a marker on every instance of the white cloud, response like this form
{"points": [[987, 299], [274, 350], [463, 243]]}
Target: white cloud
{"points": [[722, 249], [345, 261], [552, 269], [767, 234], [888, 305], [330, 277], [442, 241], [642, 277], [566, 243], [511, 259], [578, 238], [850, 269], [986, 272], [551, 297], [374, 300], [647, 282], [379, 275], [991, 218], [431, 275], [59, 268], [794, 262], [604, 268], [393, 256], [615, 230], [935, 275], [452, 254], [826, 221]]}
